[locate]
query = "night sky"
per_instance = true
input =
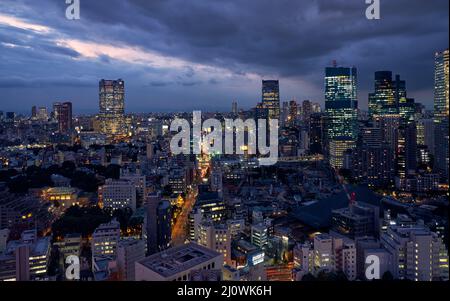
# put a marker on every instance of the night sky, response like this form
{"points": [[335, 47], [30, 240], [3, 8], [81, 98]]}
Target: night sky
{"points": [[180, 55]]}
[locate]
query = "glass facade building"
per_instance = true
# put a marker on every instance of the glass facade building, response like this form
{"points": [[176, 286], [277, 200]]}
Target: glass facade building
{"points": [[112, 107], [271, 97], [341, 111], [441, 112]]}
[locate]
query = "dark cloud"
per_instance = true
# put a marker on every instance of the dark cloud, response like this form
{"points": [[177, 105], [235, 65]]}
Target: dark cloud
{"points": [[288, 39]]}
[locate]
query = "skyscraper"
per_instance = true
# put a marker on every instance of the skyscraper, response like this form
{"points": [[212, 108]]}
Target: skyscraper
{"points": [[382, 101], [441, 112], [62, 112], [271, 97], [158, 223], [341, 107], [112, 107]]}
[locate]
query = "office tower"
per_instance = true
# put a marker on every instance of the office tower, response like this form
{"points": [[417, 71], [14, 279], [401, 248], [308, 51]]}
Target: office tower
{"points": [[341, 107], [337, 147], [42, 114], [441, 113], [316, 133], [407, 150], [389, 124], [216, 237], [164, 223], [292, 113], [234, 108], [159, 221], [307, 110], [183, 261], [129, 251], [33, 112], [112, 107], [104, 241], [417, 253], [284, 113], [62, 112], [25, 259], [406, 109], [259, 235], [118, 194], [271, 98], [382, 101], [425, 134]]}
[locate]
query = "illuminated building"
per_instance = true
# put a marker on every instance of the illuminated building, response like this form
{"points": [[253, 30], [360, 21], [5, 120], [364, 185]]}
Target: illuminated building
{"points": [[338, 146], [104, 241], [216, 237], [417, 253], [62, 112], [341, 102], [25, 259], [259, 235], [112, 107], [425, 133], [382, 101], [118, 194], [334, 253], [271, 98], [178, 263], [61, 196], [441, 113]]}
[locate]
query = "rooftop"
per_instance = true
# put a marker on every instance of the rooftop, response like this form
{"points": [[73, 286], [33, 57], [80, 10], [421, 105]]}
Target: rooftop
{"points": [[177, 259]]}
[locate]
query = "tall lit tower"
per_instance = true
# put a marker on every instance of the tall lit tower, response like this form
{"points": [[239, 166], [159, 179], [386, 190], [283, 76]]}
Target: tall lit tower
{"points": [[63, 114], [271, 97], [112, 106], [441, 112]]}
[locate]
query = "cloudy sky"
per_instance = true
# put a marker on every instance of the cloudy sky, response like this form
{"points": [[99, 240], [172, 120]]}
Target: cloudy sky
{"points": [[179, 55]]}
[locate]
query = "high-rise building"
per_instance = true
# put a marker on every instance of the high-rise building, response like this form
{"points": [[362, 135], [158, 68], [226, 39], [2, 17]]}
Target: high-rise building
{"points": [[316, 133], [425, 133], [337, 147], [271, 97], [441, 113], [216, 237], [158, 223], [129, 251], [112, 107], [407, 150], [234, 107], [382, 101], [417, 253], [62, 112], [341, 102]]}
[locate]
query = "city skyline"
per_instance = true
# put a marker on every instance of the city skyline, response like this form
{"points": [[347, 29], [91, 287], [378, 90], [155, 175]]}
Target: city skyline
{"points": [[207, 68]]}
